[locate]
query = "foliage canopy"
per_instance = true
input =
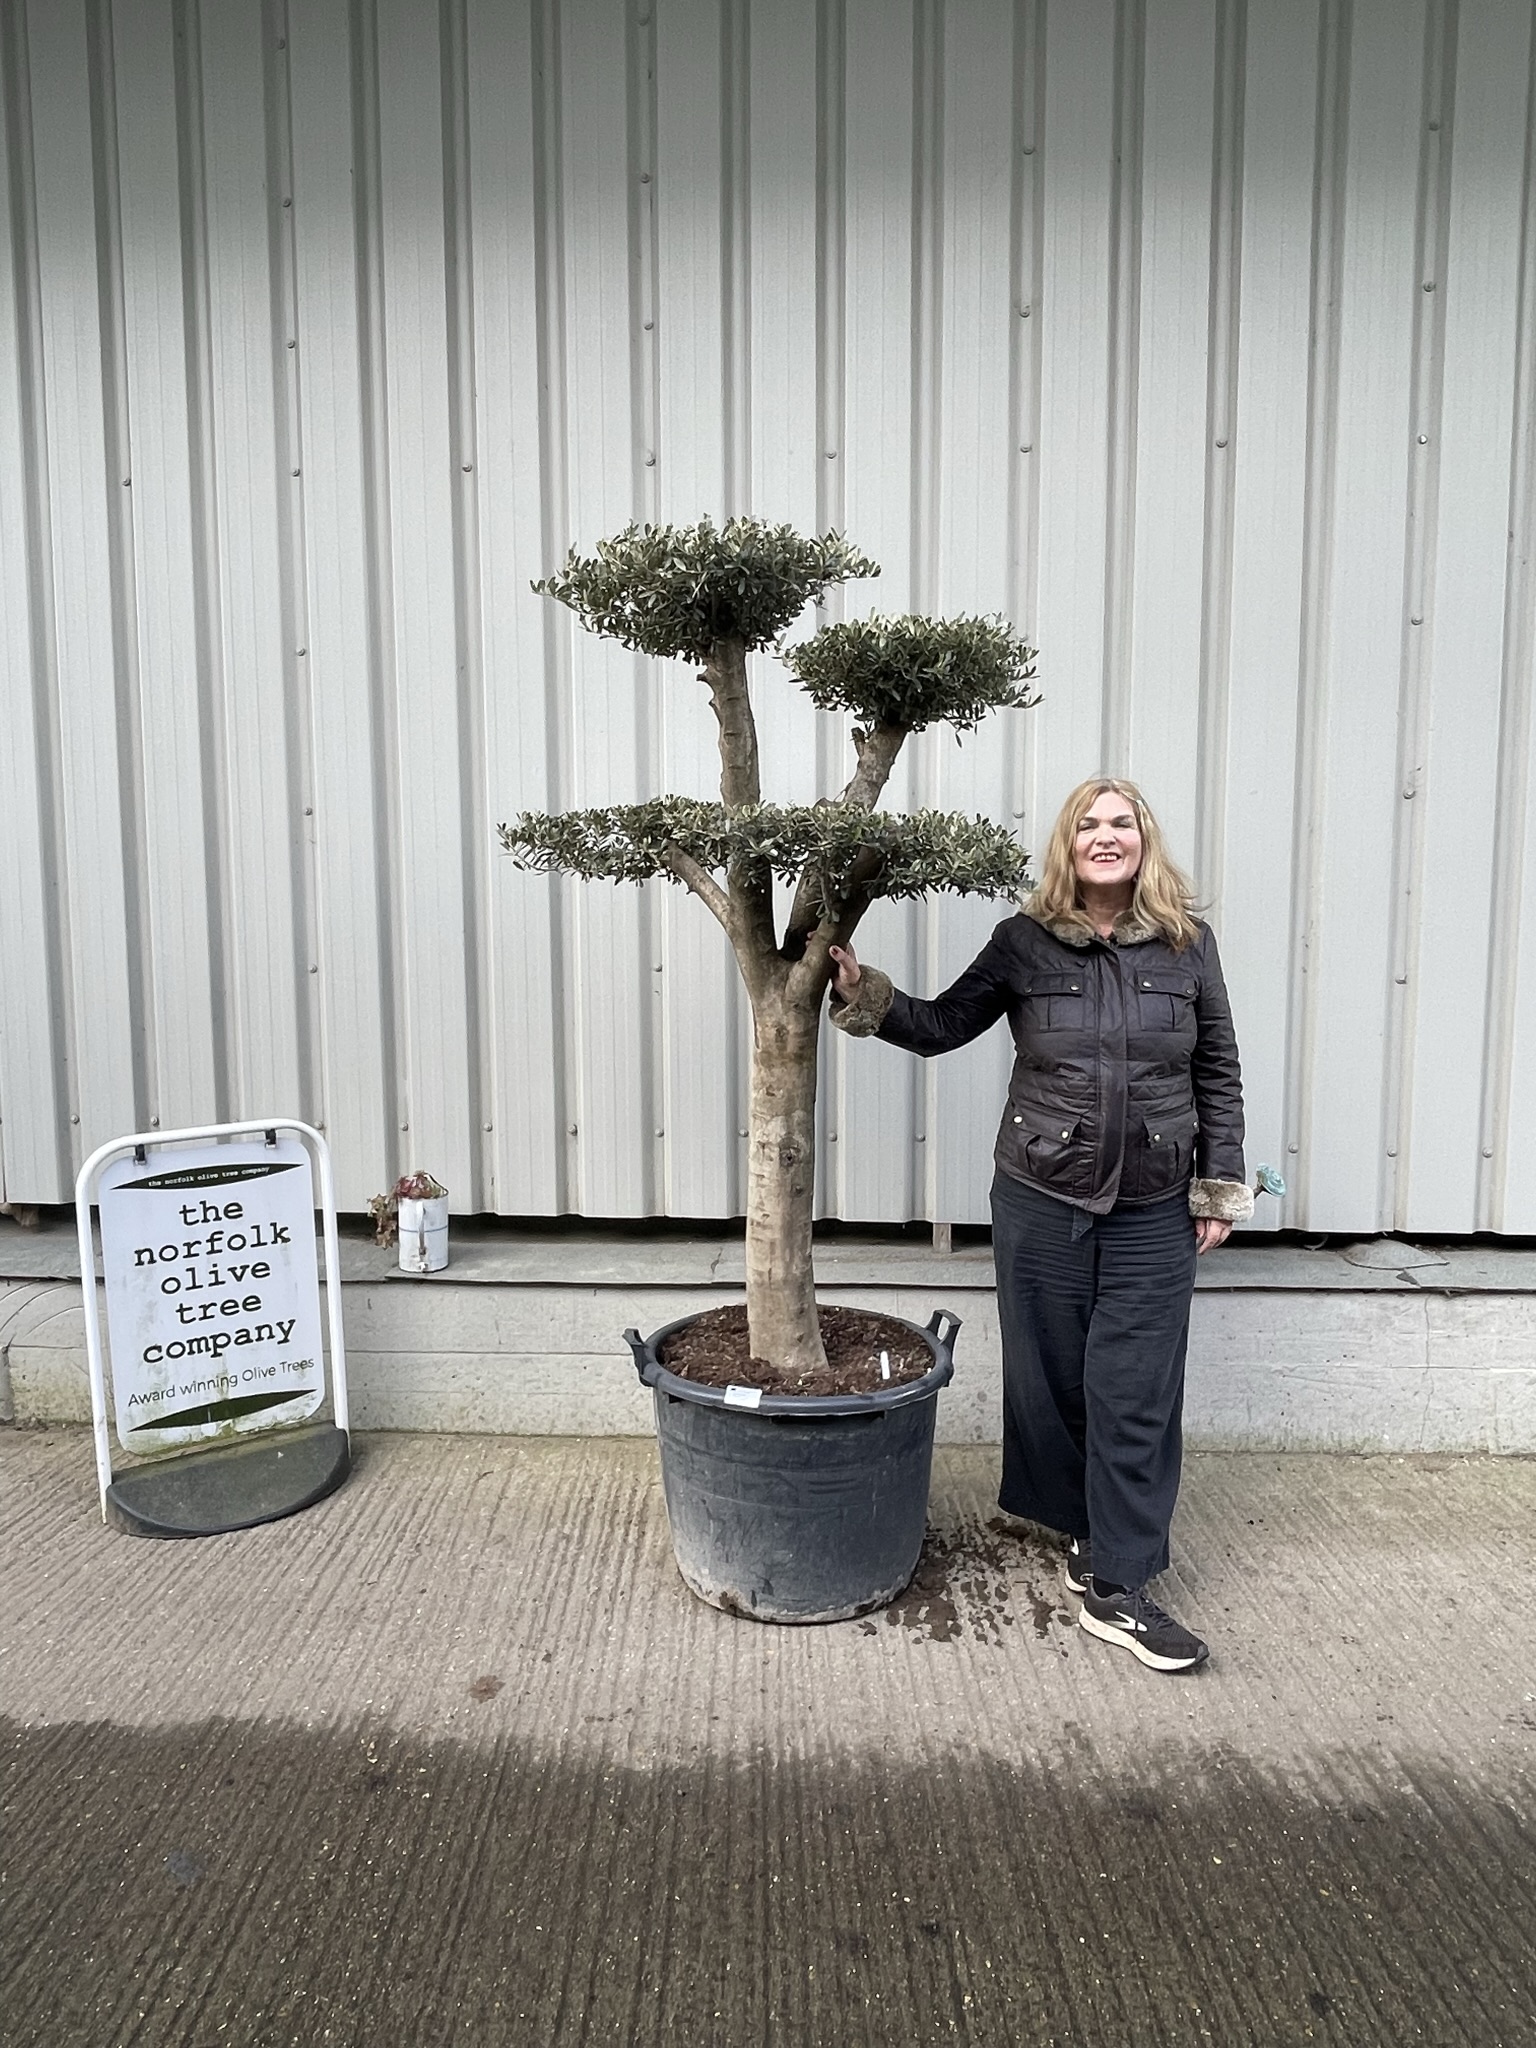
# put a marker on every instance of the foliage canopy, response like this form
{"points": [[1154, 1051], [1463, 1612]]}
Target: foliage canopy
{"points": [[678, 590], [915, 672], [929, 850]]}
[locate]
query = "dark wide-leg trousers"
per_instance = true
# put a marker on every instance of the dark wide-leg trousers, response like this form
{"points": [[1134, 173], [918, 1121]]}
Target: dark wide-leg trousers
{"points": [[1095, 1321]]}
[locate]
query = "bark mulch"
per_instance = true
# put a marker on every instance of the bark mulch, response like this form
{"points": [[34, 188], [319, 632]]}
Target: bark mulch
{"points": [[713, 1350]]}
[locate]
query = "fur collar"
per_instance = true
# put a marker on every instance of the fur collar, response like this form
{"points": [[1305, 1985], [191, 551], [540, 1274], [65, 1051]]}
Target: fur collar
{"points": [[1129, 929]]}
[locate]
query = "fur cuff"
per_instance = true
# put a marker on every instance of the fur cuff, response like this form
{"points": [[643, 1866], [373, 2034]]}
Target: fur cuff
{"points": [[862, 1014], [1229, 1201]]}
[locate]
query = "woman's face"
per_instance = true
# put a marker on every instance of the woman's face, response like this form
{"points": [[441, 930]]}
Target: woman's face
{"points": [[1107, 849]]}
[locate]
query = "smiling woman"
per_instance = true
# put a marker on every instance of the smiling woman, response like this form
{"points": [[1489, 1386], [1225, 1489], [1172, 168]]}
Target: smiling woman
{"points": [[1119, 1160]]}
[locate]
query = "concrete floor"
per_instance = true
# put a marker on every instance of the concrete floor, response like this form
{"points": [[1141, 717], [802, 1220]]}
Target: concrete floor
{"points": [[455, 1758]]}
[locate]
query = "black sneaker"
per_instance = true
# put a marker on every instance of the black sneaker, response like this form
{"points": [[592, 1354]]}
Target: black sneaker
{"points": [[1136, 1622], [1077, 1567]]}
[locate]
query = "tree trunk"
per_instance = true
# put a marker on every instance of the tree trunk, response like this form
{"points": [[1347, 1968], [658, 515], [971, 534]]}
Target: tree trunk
{"points": [[781, 1180]]}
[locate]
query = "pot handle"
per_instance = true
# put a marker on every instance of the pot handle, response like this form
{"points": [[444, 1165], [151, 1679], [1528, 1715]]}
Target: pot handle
{"points": [[944, 1326], [637, 1345]]}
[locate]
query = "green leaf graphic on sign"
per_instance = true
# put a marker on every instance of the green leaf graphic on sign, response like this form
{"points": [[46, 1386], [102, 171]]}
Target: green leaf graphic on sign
{"points": [[221, 1411]]}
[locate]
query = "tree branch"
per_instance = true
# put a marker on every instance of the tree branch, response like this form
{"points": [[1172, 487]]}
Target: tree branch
{"points": [[876, 752], [812, 970], [701, 882], [725, 671]]}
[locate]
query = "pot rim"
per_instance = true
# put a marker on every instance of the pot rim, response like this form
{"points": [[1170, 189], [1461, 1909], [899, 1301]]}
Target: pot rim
{"points": [[939, 1332]]}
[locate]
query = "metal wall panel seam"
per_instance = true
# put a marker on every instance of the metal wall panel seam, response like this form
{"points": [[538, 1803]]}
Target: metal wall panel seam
{"points": [[1414, 707], [736, 251], [262, 695], [647, 457], [142, 1002], [1328, 193], [159, 514], [309, 966], [1027, 199], [475, 824], [95, 852], [435, 912], [206, 541], [1221, 458], [1471, 565], [35, 1020], [831, 503], [929, 259], [1125, 230], [373, 375], [1501, 1145], [554, 494]]}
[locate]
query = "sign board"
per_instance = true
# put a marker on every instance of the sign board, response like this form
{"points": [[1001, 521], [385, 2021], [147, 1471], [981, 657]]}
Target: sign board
{"points": [[213, 1305], [213, 1295]]}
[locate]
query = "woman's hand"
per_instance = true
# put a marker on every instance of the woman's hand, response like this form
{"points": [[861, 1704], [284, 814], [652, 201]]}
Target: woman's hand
{"points": [[1210, 1231], [845, 970]]}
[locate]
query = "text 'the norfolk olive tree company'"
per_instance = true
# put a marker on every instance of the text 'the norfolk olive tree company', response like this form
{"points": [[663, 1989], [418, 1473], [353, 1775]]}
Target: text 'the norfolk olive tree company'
{"points": [[710, 596]]}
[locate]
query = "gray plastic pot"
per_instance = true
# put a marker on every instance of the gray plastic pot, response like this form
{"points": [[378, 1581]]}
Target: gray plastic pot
{"points": [[797, 1507]]}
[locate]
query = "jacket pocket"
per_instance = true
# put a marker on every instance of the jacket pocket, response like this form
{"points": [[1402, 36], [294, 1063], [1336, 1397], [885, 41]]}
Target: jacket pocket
{"points": [[1168, 1154], [1046, 1145], [1165, 998], [1054, 1002]]}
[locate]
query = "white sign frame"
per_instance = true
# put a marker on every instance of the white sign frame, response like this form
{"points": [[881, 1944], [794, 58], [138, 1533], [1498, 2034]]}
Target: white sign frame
{"points": [[144, 1141]]}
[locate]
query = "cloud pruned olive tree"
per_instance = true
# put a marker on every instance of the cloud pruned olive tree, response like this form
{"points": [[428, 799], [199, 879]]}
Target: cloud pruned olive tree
{"points": [[710, 597]]}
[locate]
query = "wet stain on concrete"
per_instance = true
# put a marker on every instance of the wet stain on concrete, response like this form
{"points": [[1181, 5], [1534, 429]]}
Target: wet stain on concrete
{"points": [[359, 1887], [485, 1687], [974, 1579]]}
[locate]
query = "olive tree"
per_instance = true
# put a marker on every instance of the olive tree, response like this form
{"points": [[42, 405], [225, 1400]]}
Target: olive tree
{"points": [[710, 597]]}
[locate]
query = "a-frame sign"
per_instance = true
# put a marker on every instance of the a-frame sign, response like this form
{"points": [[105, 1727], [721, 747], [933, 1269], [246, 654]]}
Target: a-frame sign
{"points": [[218, 1371]]}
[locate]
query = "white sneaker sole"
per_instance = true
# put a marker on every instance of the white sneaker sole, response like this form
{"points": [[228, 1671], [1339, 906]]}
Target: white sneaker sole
{"points": [[1124, 1640]]}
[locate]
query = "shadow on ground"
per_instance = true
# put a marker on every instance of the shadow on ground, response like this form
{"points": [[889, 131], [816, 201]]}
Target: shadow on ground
{"points": [[244, 1884]]}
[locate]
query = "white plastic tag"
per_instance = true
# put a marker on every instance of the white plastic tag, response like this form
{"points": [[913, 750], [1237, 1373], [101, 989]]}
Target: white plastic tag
{"points": [[743, 1397]]}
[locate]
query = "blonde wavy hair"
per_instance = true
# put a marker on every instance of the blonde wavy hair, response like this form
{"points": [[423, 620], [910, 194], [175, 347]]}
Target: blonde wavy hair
{"points": [[1164, 901]]}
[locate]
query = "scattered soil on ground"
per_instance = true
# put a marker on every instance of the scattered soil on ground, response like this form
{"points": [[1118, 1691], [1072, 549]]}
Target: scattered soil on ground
{"points": [[713, 1350]]}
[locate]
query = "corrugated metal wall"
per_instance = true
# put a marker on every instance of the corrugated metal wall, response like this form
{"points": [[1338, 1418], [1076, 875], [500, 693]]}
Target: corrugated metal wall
{"points": [[1198, 337]]}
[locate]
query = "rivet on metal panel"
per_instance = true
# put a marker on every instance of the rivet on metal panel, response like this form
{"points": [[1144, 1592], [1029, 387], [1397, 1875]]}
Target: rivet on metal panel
{"points": [[282, 42], [313, 968], [645, 177], [1025, 311], [1025, 448], [831, 1137], [1423, 440], [287, 202], [1434, 127], [650, 462], [292, 343], [1221, 441], [648, 325], [293, 472], [74, 1119], [1415, 622], [1391, 1151], [405, 1127], [1409, 793], [1401, 980], [831, 455], [309, 810], [661, 1134], [570, 1130], [154, 1123], [1429, 284], [1293, 1148], [127, 480], [485, 1127], [920, 1137], [741, 1134], [1487, 1151], [301, 650]]}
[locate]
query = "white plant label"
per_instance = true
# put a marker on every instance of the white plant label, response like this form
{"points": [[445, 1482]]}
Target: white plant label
{"points": [[213, 1293]]}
